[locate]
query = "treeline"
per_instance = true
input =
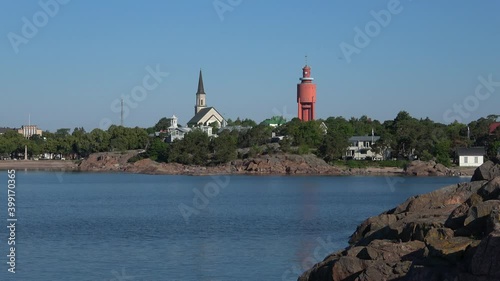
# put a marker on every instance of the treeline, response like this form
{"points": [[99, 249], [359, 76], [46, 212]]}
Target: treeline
{"points": [[74, 145], [405, 137]]}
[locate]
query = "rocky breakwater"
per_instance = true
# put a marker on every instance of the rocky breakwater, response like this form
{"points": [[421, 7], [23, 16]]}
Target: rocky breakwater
{"points": [[270, 164], [431, 168], [291, 164], [450, 234]]}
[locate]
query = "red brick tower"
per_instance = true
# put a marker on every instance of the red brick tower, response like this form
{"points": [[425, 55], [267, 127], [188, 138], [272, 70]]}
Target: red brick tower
{"points": [[306, 96]]}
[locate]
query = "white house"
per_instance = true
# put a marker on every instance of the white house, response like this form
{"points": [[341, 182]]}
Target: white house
{"points": [[470, 157], [174, 132], [360, 148]]}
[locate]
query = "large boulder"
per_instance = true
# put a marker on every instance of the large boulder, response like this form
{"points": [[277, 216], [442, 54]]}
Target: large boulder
{"points": [[486, 260], [488, 171], [450, 234], [423, 168]]}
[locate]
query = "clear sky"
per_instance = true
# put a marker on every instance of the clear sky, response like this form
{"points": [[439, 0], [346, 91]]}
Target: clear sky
{"points": [[85, 55]]}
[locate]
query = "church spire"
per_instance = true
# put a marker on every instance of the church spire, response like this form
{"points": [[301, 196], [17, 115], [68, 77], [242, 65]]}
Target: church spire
{"points": [[201, 89]]}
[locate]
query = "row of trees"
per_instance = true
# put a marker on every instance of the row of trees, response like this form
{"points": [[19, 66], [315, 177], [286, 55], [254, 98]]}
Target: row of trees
{"points": [[75, 145], [406, 136]]}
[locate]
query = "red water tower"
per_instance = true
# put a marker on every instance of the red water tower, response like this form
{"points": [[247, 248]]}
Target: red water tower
{"points": [[306, 96]]}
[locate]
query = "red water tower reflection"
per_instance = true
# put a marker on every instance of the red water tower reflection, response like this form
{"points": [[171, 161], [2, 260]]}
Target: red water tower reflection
{"points": [[306, 96]]}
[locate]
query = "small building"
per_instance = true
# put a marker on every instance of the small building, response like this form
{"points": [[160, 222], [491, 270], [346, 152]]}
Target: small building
{"points": [[360, 148], [493, 127], [29, 130], [274, 121], [3, 130], [237, 128], [175, 132], [470, 157]]}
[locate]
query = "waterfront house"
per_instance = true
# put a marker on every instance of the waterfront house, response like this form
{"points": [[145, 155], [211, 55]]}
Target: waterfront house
{"points": [[360, 148], [470, 157]]}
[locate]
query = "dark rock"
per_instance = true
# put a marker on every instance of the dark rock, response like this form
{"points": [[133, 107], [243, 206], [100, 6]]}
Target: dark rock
{"points": [[449, 234], [486, 260], [451, 249], [488, 171], [491, 190]]}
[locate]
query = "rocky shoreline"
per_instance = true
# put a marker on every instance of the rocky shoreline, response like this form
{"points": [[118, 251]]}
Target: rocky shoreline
{"points": [[450, 234], [273, 164]]}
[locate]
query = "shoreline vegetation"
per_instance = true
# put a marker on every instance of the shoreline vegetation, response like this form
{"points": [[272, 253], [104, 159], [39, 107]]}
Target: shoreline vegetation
{"points": [[333, 146], [276, 164]]}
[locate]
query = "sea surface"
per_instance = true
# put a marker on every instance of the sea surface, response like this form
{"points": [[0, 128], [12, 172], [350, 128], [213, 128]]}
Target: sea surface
{"points": [[82, 226]]}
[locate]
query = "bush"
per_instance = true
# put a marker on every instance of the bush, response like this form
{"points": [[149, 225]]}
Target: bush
{"points": [[136, 158], [303, 149]]}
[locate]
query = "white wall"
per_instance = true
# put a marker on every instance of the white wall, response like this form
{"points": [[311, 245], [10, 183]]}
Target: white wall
{"points": [[471, 161]]}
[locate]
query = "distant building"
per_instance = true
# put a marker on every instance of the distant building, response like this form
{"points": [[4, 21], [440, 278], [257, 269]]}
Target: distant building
{"points": [[175, 132], [306, 96], [470, 157], [493, 127], [205, 116], [3, 130], [237, 128], [360, 148], [29, 130], [274, 121], [323, 128]]}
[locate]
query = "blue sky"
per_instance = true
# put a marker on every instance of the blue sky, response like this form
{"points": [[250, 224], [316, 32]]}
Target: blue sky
{"points": [[425, 60]]}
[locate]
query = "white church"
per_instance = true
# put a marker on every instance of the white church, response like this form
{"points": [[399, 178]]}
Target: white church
{"points": [[203, 115], [204, 118]]}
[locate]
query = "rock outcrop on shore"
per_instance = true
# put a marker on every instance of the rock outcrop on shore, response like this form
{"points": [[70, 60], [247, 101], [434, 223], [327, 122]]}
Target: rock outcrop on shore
{"points": [[431, 168], [450, 234], [280, 164]]}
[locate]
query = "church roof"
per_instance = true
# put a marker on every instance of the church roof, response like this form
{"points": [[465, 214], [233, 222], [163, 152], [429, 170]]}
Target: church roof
{"points": [[201, 88], [202, 113]]}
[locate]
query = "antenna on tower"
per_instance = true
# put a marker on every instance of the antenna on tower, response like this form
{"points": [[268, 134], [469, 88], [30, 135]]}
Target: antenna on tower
{"points": [[306, 59], [121, 118]]}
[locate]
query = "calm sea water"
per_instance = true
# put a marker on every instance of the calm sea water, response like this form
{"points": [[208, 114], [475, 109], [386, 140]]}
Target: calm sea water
{"points": [[79, 226]]}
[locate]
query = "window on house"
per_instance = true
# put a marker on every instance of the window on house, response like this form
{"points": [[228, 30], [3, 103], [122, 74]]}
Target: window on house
{"points": [[201, 102], [466, 159], [476, 159]]}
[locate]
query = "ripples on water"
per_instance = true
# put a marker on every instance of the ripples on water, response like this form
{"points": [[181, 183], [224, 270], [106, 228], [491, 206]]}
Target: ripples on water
{"points": [[129, 227]]}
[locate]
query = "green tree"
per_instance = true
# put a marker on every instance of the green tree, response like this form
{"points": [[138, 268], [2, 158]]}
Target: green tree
{"points": [[193, 149], [224, 147], [333, 146], [163, 124], [158, 151]]}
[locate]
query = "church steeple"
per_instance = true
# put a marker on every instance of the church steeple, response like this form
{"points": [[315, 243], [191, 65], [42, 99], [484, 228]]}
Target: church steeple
{"points": [[201, 89], [201, 100]]}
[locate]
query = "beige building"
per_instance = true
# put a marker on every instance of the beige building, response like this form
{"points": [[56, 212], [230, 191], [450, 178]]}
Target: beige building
{"points": [[29, 130]]}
